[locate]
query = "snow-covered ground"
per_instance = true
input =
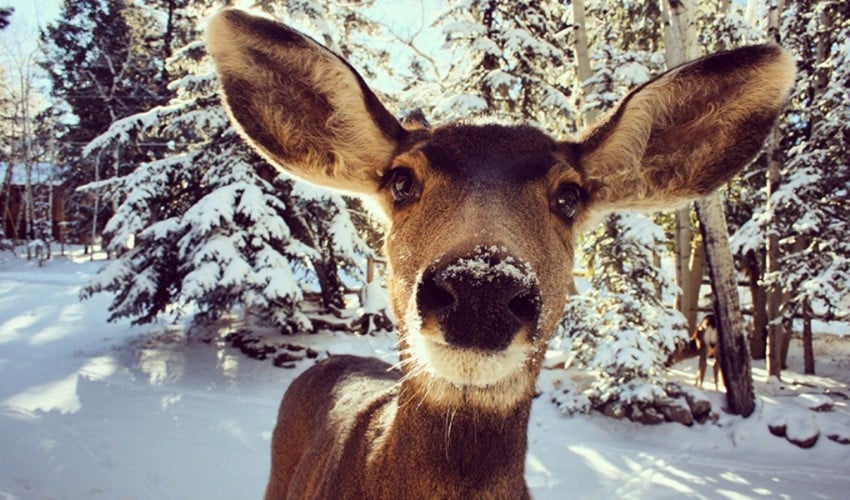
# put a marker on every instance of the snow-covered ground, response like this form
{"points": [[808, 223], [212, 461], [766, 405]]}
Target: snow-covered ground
{"points": [[96, 410]]}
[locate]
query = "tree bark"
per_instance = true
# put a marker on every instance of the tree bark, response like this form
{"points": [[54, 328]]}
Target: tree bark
{"points": [[690, 295], [774, 291], [733, 354], [758, 336], [582, 56], [679, 37], [808, 350], [96, 193], [682, 250]]}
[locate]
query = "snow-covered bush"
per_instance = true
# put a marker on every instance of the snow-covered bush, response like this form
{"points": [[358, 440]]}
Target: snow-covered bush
{"points": [[620, 331]]}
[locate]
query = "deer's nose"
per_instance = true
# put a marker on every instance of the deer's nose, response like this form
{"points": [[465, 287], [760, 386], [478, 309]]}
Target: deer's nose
{"points": [[481, 301]]}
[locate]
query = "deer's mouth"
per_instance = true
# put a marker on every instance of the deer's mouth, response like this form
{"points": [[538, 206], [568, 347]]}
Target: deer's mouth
{"points": [[464, 366], [451, 357], [450, 376]]}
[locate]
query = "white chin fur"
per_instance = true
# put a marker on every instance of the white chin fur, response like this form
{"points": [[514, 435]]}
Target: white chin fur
{"points": [[461, 367], [464, 367]]}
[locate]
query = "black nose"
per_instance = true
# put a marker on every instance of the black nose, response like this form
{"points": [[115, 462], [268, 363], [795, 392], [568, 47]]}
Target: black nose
{"points": [[480, 301]]}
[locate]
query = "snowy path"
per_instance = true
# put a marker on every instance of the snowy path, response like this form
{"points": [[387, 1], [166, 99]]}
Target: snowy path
{"points": [[96, 410]]}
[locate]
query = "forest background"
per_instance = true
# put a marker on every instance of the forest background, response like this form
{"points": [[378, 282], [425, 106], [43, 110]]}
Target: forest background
{"points": [[115, 112]]}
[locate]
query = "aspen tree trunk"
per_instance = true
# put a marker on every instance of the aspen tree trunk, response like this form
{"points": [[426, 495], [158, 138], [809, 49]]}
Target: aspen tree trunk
{"points": [[29, 212], [29, 209], [774, 292], [690, 296], [680, 47], [582, 56]]}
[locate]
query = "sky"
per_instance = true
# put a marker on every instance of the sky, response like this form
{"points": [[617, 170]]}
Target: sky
{"points": [[20, 39], [29, 16]]}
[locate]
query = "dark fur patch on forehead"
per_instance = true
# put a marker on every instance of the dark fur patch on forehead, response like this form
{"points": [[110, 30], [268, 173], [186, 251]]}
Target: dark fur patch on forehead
{"points": [[501, 153]]}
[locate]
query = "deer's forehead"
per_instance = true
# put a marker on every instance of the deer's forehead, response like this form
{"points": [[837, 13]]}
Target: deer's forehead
{"points": [[501, 154]]}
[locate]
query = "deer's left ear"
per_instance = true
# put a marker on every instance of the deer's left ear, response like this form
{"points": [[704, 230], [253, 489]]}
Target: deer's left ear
{"points": [[300, 105], [682, 135]]}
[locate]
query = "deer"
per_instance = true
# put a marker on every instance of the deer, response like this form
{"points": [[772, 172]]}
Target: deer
{"points": [[481, 224], [705, 340]]}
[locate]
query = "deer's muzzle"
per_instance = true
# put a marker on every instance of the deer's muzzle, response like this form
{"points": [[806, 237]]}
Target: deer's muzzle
{"points": [[481, 301]]}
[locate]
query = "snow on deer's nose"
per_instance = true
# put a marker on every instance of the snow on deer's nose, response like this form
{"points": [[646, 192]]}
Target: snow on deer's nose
{"points": [[482, 300]]}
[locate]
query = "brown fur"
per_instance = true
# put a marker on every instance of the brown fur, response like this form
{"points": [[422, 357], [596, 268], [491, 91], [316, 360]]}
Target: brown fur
{"points": [[452, 423], [678, 136]]}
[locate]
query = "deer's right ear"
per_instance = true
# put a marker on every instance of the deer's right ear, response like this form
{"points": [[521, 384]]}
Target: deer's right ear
{"points": [[300, 105]]}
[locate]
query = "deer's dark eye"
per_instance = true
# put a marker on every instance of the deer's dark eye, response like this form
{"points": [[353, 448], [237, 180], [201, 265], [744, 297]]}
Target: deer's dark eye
{"points": [[402, 185], [566, 201]]}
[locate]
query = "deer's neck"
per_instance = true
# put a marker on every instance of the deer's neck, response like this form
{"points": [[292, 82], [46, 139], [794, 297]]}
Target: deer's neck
{"points": [[436, 452]]}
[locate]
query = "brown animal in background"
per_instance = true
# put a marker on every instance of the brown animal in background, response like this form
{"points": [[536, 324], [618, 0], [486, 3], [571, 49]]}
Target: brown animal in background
{"points": [[705, 338], [482, 220]]}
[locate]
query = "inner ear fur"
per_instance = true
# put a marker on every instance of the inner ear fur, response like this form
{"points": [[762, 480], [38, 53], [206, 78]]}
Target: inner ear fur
{"points": [[682, 135], [300, 105]]}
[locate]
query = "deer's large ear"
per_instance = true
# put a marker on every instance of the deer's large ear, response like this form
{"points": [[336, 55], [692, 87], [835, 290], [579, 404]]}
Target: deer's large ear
{"points": [[682, 135], [300, 105]]}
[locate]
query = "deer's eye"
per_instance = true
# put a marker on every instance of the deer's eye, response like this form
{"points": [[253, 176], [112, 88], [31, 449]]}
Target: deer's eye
{"points": [[402, 185], [566, 201]]}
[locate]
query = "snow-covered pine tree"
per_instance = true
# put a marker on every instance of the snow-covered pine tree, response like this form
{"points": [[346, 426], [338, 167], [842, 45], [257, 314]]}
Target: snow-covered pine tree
{"points": [[620, 330], [214, 226], [625, 50], [810, 270], [105, 61], [512, 61], [810, 203]]}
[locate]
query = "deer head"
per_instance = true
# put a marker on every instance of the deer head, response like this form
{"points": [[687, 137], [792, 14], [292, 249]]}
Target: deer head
{"points": [[482, 220]]}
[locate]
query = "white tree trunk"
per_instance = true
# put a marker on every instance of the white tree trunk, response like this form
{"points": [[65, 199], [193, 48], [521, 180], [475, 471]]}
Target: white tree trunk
{"points": [[679, 47], [582, 56]]}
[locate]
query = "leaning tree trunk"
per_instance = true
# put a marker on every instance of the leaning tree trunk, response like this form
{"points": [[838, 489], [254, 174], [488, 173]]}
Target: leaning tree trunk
{"points": [[733, 353]]}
